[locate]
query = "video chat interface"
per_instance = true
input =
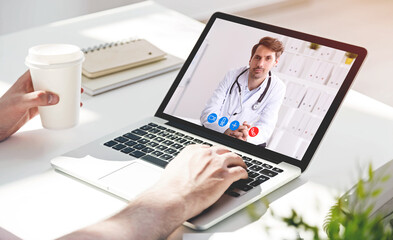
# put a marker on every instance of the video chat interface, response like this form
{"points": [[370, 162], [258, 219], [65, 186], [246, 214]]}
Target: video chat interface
{"points": [[312, 75]]}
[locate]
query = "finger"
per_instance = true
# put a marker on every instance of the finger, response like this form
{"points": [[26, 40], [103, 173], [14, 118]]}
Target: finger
{"points": [[237, 173], [219, 149], [232, 160], [39, 98]]}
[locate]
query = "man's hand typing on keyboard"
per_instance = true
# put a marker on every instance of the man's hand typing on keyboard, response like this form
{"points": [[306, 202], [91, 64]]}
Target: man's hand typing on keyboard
{"points": [[193, 181]]}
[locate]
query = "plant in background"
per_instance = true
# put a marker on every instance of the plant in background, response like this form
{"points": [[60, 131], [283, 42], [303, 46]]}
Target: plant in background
{"points": [[351, 217]]}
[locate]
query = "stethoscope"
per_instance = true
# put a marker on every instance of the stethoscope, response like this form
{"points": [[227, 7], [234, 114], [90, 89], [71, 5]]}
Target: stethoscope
{"points": [[255, 106]]}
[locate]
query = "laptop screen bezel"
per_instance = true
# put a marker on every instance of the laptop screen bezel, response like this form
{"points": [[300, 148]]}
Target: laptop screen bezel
{"points": [[243, 146]]}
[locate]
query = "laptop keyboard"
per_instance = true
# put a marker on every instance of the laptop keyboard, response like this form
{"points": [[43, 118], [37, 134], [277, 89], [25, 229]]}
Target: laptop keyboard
{"points": [[159, 145]]}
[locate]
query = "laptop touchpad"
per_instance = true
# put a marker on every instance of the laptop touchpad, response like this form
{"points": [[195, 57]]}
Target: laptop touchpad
{"points": [[131, 180]]}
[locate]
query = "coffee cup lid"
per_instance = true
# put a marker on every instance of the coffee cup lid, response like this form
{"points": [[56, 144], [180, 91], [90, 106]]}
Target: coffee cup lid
{"points": [[53, 55]]}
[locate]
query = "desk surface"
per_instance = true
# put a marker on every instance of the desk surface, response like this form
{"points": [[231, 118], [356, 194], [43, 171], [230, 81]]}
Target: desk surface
{"points": [[39, 203]]}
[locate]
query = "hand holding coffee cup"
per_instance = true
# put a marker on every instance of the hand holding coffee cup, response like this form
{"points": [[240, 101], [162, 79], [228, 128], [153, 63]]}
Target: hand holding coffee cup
{"points": [[57, 68]]}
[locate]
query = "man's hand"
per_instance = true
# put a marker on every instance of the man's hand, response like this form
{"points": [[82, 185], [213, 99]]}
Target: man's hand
{"points": [[240, 133], [201, 174], [20, 104], [191, 182]]}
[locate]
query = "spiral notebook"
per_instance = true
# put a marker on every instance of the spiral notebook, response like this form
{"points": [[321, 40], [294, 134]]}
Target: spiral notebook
{"points": [[113, 65]]}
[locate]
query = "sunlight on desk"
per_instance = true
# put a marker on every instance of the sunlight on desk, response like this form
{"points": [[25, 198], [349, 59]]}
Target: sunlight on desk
{"points": [[86, 116]]}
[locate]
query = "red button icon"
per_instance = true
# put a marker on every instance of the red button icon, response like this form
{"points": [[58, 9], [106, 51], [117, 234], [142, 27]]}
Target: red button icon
{"points": [[253, 132]]}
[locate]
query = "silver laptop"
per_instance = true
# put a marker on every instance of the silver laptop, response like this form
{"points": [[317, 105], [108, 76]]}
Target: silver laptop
{"points": [[286, 116]]}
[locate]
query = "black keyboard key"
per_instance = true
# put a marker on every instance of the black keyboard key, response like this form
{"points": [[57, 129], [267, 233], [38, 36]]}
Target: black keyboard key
{"points": [[268, 173], [143, 141], [249, 164], [188, 137], [137, 154], [241, 182], [132, 136], [256, 162], [167, 142], [155, 160], [159, 139], [233, 194], [121, 139], [253, 174], [262, 178], [119, 146], [239, 154], [181, 140], [170, 151], [170, 131], [139, 132], [153, 124], [150, 136], [255, 168], [279, 170], [166, 157], [157, 153], [161, 147], [187, 143], [152, 144], [164, 134], [198, 141], [111, 143], [127, 150], [179, 134], [175, 154], [148, 150], [267, 166], [161, 127], [246, 158], [146, 127], [177, 146], [245, 188], [154, 130], [139, 146], [130, 143], [258, 181], [173, 138], [209, 144]]}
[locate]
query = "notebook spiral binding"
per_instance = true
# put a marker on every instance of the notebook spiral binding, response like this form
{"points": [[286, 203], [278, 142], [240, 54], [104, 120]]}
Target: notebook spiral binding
{"points": [[109, 45]]}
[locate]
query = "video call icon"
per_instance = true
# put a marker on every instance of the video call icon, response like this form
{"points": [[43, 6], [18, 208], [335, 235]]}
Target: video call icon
{"points": [[222, 122], [234, 125], [212, 118], [253, 131]]}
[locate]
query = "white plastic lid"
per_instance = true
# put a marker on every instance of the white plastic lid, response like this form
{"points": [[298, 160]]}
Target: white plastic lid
{"points": [[53, 55]]}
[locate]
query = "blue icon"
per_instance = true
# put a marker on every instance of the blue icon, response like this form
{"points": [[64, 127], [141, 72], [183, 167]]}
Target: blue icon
{"points": [[234, 125], [212, 118], [223, 121]]}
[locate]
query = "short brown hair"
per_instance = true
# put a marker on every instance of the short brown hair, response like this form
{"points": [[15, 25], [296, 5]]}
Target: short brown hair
{"points": [[272, 43]]}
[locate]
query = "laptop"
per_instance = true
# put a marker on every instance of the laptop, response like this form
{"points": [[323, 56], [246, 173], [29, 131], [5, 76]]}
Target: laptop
{"points": [[315, 74]]}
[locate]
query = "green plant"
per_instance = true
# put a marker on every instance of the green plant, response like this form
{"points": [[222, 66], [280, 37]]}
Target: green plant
{"points": [[350, 217]]}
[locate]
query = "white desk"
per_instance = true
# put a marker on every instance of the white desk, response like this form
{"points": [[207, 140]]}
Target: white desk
{"points": [[38, 203]]}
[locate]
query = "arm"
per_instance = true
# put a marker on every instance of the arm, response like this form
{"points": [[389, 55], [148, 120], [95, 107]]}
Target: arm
{"points": [[20, 104], [193, 181]]}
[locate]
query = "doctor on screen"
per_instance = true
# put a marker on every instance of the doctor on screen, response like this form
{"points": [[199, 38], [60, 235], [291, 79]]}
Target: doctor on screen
{"points": [[246, 102]]}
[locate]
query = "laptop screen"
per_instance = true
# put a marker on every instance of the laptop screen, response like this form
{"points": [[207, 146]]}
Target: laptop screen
{"points": [[264, 87]]}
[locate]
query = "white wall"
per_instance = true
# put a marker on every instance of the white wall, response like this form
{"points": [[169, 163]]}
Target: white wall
{"points": [[16, 15]]}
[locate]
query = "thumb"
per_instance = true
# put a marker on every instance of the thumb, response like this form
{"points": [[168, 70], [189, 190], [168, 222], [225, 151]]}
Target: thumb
{"points": [[40, 98]]}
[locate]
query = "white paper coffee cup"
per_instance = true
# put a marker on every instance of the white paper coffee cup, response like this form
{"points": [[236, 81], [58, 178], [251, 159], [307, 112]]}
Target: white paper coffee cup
{"points": [[57, 68]]}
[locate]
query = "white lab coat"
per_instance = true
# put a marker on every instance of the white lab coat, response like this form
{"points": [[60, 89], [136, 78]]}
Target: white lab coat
{"points": [[224, 105]]}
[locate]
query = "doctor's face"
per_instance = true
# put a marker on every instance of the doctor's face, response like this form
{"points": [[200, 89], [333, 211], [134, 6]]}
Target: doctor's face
{"points": [[261, 62]]}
